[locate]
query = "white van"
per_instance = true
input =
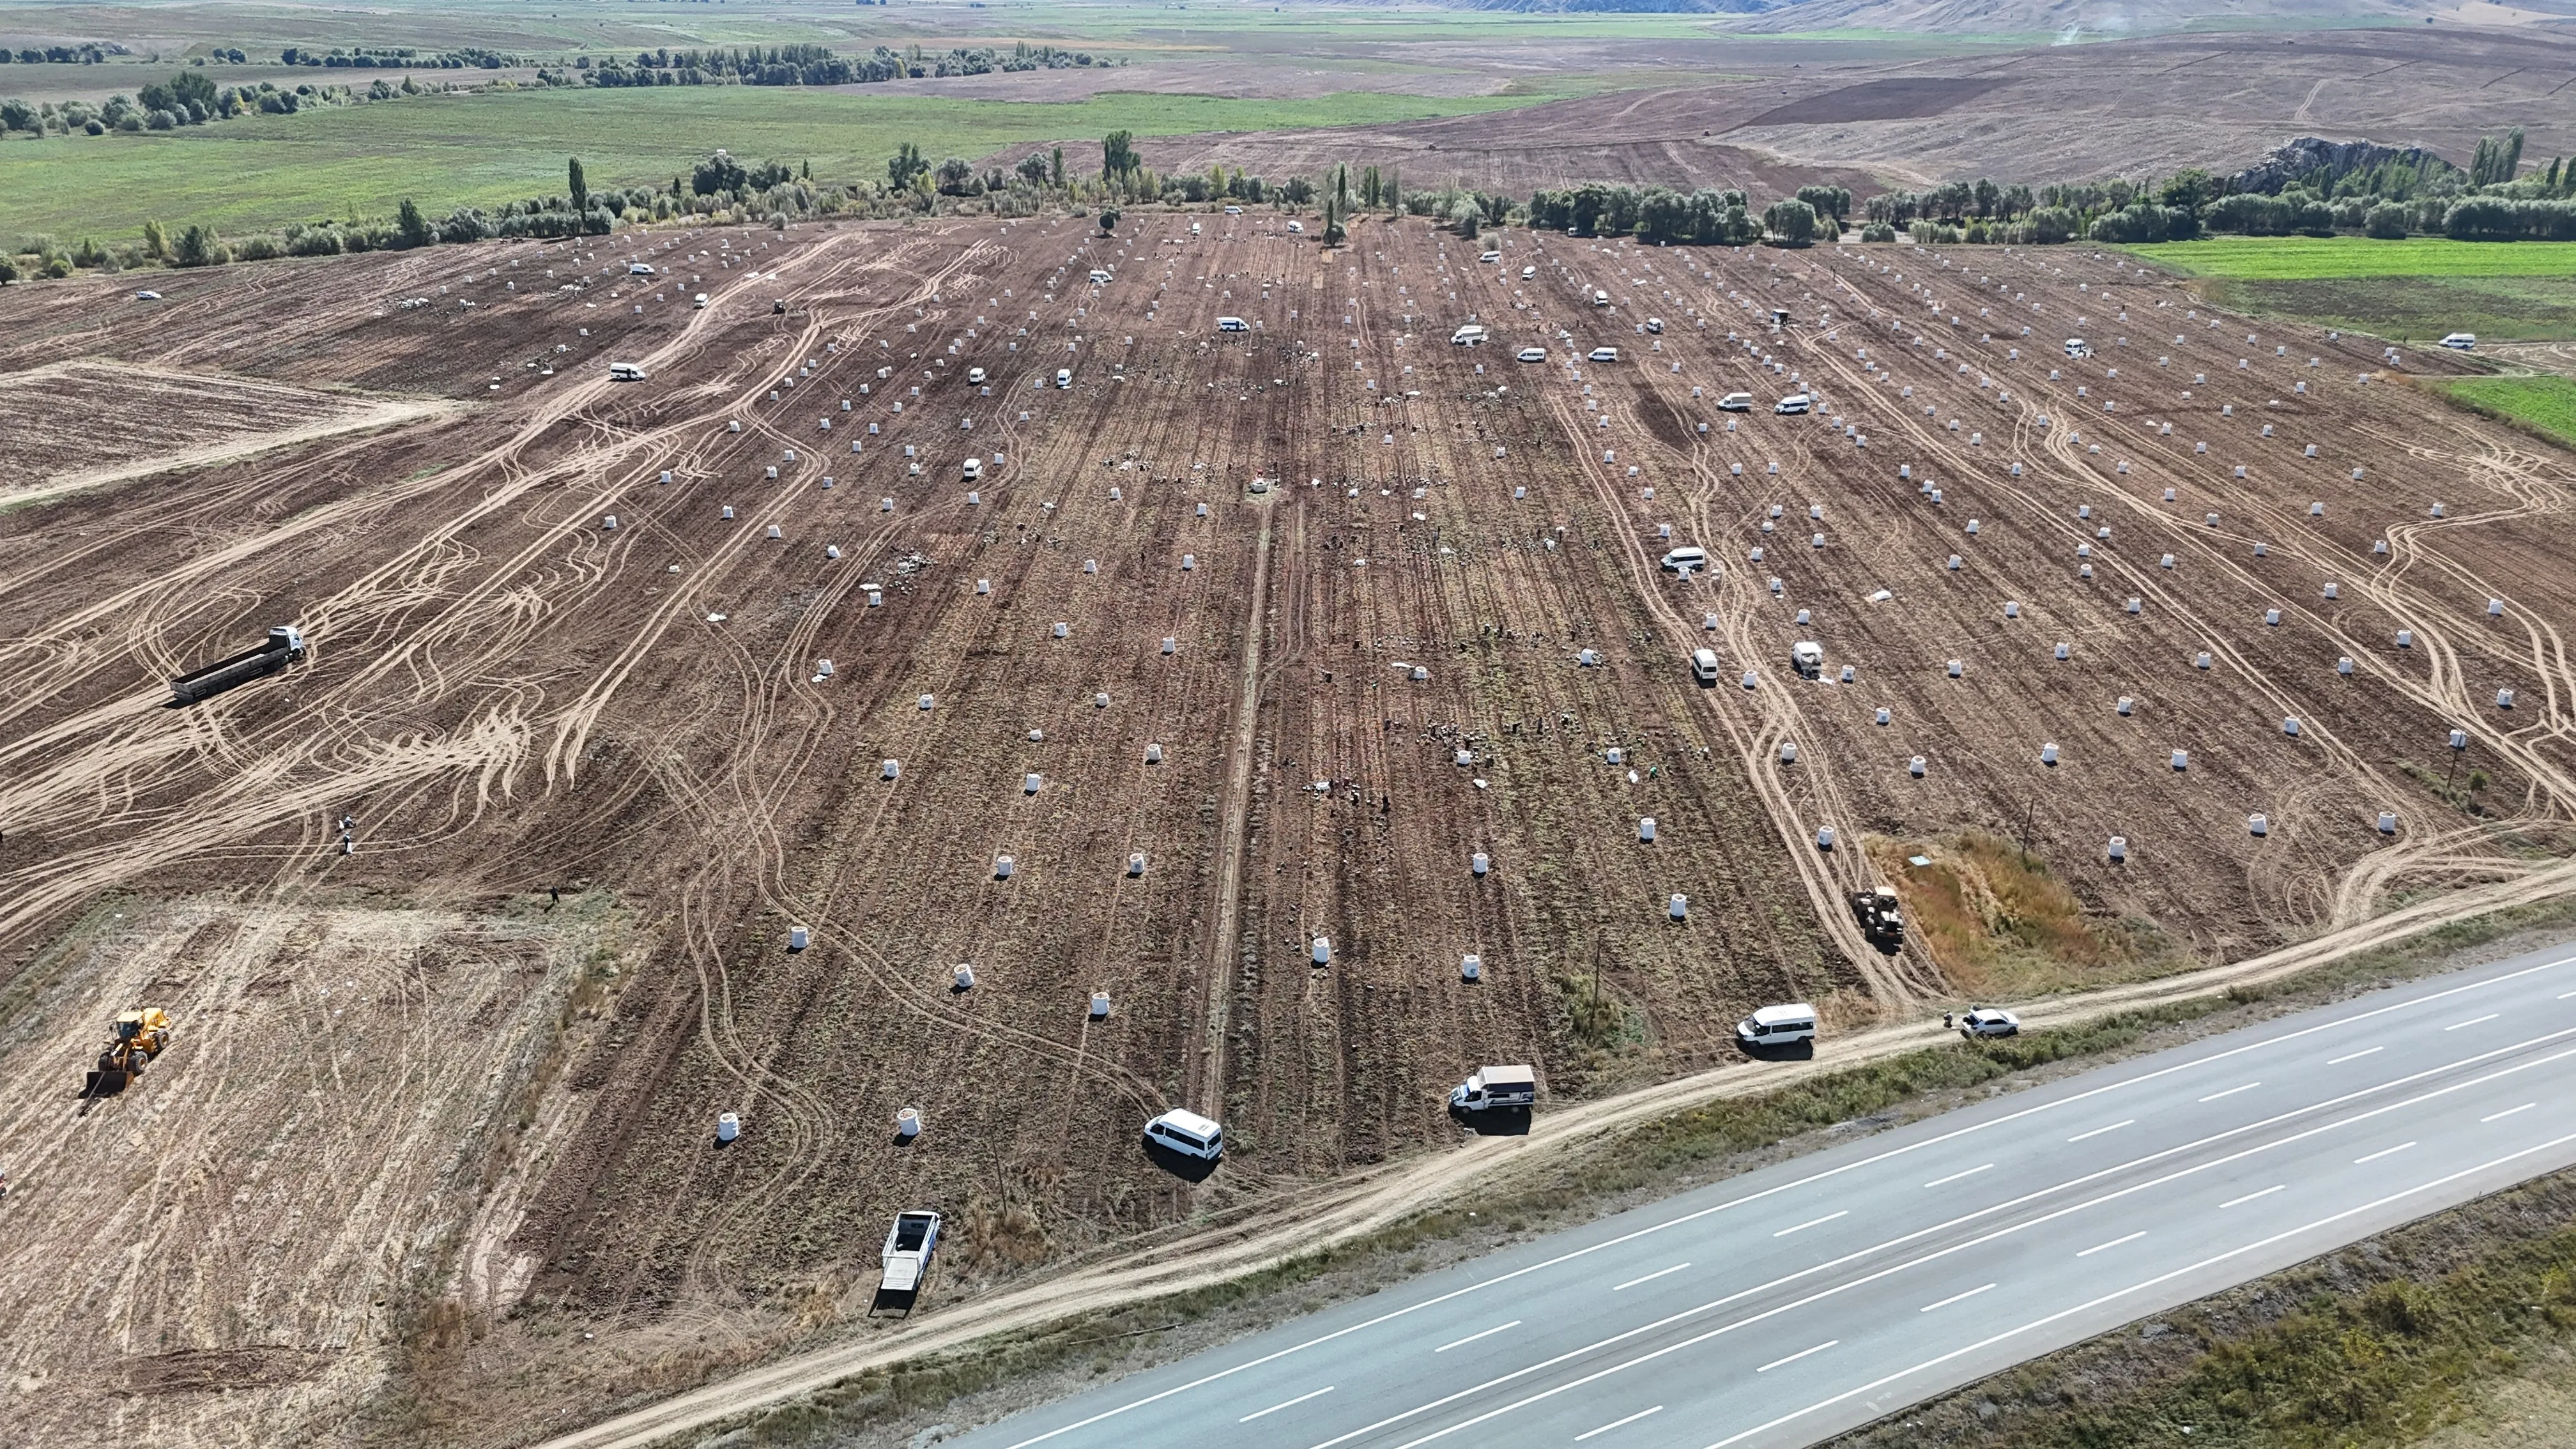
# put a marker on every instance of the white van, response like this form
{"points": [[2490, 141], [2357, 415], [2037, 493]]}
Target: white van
{"points": [[1604, 354], [1232, 324], [1688, 556], [1064, 377], [699, 301], [1298, 227], [1736, 402], [2461, 341], [1186, 1132], [1234, 211], [1491, 257], [1654, 324], [974, 469], [625, 372], [975, 377], [2078, 347], [1100, 277], [1778, 1025], [1600, 299], [1528, 272], [1467, 336], [1796, 402], [639, 269], [1704, 667]]}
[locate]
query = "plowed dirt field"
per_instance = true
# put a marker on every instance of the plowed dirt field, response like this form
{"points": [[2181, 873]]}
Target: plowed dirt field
{"points": [[1415, 618]]}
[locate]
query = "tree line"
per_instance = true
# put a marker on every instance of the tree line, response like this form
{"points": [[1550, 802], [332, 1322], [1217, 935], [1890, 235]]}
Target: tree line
{"points": [[815, 65], [189, 98], [2379, 197], [2392, 197]]}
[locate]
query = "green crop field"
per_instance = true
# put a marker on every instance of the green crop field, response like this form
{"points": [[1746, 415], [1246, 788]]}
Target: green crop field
{"points": [[2545, 403], [483, 150], [2414, 290], [2304, 258]]}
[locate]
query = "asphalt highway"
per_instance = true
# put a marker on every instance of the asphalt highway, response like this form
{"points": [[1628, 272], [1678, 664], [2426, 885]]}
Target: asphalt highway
{"points": [[1786, 1305]]}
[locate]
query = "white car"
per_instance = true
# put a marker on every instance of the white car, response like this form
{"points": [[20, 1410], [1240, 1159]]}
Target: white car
{"points": [[1600, 299], [1298, 227], [1064, 377], [1688, 556], [1736, 402], [1988, 1021], [147, 296], [1187, 1133], [1533, 354], [2461, 341], [1796, 402], [1654, 324], [975, 377]]}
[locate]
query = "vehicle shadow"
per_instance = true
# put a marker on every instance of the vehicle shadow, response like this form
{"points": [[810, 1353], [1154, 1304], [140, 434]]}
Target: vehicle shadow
{"points": [[1493, 1121], [1787, 1051], [1180, 1164]]}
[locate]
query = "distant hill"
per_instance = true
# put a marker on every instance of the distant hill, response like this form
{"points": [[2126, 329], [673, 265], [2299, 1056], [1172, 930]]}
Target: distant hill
{"points": [[2071, 19]]}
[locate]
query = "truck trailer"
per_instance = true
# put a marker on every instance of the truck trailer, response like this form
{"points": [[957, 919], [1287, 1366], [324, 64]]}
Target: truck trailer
{"points": [[285, 646]]}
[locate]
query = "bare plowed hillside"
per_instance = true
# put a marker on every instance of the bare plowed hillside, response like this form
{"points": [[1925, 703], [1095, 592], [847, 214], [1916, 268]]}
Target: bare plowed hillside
{"points": [[437, 1149]]}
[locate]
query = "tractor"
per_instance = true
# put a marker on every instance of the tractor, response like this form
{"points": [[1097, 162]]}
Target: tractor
{"points": [[140, 1035]]}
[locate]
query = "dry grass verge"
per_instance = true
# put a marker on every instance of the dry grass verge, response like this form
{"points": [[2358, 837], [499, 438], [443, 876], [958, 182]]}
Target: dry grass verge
{"points": [[2378, 1344]]}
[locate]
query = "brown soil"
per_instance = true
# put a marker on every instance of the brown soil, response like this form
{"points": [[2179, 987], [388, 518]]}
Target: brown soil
{"points": [[1778, 115], [180, 419], [508, 697]]}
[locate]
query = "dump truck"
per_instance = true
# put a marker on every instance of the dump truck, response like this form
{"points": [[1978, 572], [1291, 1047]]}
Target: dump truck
{"points": [[1513, 1086], [908, 1246], [285, 646], [138, 1036], [1880, 918]]}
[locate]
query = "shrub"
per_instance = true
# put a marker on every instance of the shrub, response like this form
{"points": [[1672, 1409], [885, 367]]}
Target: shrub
{"points": [[2386, 221], [1878, 231], [199, 247], [1791, 223]]}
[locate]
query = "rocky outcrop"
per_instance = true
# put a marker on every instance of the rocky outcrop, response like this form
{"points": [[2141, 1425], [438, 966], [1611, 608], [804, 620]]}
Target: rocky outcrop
{"points": [[2291, 160]]}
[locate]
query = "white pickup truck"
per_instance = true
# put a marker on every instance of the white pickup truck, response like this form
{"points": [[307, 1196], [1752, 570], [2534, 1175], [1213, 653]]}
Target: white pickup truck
{"points": [[908, 1246]]}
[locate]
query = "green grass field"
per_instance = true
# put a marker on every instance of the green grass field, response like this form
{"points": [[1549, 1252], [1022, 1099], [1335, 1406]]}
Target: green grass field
{"points": [[2545, 403], [483, 150], [2414, 290], [2303, 258]]}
